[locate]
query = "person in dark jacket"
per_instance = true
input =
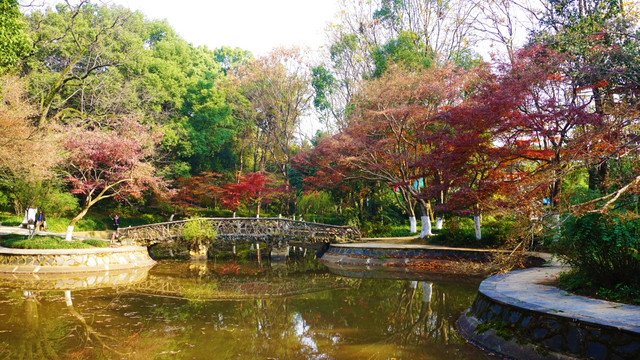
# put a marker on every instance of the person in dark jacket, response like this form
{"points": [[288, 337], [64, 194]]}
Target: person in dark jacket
{"points": [[41, 221], [116, 223]]}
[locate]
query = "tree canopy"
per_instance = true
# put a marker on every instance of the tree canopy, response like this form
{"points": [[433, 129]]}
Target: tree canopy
{"points": [[415, 121]]}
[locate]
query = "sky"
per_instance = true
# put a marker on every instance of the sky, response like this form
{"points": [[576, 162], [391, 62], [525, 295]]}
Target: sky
{"points": [[254, 25]]}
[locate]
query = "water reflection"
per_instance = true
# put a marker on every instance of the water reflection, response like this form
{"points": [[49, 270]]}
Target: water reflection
{"points": [[62, 281], [232, 311]]}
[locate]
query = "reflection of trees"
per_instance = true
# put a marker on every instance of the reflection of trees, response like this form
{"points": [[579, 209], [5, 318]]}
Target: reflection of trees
{"points": [[414, 321], [87, 333], [357, 318], [270, 320], [35, 339], [378, 312]]}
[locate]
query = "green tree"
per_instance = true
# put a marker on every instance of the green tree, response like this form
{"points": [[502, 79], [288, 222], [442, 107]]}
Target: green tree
{"points": [[278, 93], [405, 50], [15, 44], [72, 46], [211, 126]]}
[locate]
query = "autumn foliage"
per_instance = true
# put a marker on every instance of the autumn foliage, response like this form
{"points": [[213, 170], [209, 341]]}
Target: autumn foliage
{"points": [[116, 163], [251, 189]]}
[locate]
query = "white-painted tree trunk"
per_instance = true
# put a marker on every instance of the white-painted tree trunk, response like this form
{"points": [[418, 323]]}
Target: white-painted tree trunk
{"points": [[413, 225], [426, 226], [476, 225], [67, 298], [69, 235], [427, 290], [556, 224], [439, 222]]}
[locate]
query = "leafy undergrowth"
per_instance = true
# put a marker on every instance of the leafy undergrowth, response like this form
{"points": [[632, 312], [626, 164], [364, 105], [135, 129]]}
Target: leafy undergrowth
{"points": [[575, 282], [602, 250], [48, 242], [392, 231], [496, 234]]}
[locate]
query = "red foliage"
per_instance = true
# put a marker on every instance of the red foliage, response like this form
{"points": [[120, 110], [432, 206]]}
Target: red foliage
{"points": [[250, 189], [113, 163], [198, 191], [526, 115]]}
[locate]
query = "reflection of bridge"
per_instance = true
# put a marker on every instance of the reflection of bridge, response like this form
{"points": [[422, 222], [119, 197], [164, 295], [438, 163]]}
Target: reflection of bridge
{"points": [[234, 288], [271, 230]]}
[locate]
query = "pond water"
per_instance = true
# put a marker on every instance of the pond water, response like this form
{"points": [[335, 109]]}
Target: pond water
{"points": [[227, 310]]}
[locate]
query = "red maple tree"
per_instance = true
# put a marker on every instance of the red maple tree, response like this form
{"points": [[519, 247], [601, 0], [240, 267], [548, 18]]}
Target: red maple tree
{"points": [[109, 163], [252, 189]]}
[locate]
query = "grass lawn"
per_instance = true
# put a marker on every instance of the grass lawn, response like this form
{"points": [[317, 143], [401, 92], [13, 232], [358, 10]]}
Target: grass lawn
{"points": [[48, 242]]}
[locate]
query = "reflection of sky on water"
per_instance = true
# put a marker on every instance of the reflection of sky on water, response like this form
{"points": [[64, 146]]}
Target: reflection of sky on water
{"points": [[302, 331]]}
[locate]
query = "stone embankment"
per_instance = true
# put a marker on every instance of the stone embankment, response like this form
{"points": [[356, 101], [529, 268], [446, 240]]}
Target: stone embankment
{"points": [[434, 260], [521, 315]]}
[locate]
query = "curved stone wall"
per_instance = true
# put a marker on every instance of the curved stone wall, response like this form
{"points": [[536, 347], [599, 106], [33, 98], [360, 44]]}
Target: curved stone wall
{"points": [[427, 259], [73, 260], [520, 316]]}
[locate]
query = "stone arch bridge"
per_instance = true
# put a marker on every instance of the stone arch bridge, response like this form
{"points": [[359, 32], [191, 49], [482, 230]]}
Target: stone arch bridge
{"points": [[276, 232]]}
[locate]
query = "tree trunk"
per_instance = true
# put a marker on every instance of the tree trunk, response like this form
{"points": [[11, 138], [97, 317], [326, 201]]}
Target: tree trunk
{"points": [[426, 226], [439, 222], [476, 226], [413, 227], [425, 207], [258, 207], [69, 234], [556, 226], [598, 175], [477, 219]]}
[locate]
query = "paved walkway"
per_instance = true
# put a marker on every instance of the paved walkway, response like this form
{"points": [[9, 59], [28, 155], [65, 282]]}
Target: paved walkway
{"points": [[4, 230], [529, 289]]}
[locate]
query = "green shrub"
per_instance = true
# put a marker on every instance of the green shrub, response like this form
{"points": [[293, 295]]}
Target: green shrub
{"points": [[59, 203], [375, 229], [496, 233], [197, 234], [603, 250], [214, 213], [88, 223], [401, 230], [151, 219], [4, 201]]}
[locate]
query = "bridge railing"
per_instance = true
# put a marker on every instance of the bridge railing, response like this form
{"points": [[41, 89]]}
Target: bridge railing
{"points": [[245, 229]]}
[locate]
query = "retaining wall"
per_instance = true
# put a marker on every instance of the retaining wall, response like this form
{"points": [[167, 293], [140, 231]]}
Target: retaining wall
{"points": [[531, 320], [428, 259]]}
